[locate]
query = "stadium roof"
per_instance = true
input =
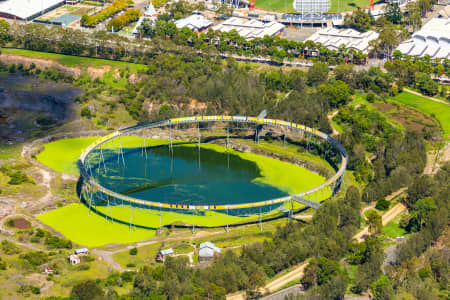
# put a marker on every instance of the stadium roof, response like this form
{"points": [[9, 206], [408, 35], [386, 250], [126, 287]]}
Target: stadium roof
{"points": [[432, 39], [27, 9]]}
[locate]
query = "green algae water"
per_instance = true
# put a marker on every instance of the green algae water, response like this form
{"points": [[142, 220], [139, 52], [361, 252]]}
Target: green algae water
{"points": [[185, 176]]}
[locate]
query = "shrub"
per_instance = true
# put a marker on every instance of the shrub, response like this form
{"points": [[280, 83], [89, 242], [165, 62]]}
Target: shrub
{"points": [[127, 276], [86, 112], [131, 265], [56, 242], [35, 258], [133, 251], [83, 267], [35, 239], [40, 232], [371, 97], [2, 264], [35, 290], [382, 204], [12, 68], [9, 248]]}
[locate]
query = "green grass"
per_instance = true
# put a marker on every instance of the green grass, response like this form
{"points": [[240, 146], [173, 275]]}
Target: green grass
{"points": [[62, 155], [286, 6], [76, 61], [145, 255], [393, 229], [436, 110], [73, 222]]}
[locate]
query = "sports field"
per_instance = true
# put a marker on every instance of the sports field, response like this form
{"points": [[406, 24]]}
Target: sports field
{"points": [[74, 223], [436, 110], [286, 5]]}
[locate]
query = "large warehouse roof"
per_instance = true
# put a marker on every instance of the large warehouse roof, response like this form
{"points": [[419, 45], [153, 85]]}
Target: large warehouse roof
{"points": [[194, 22], [250, 29], [27, 9], [432, 39], [333, 38]]}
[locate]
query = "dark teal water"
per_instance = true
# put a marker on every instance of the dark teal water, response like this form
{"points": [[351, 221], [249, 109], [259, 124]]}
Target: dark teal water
{"points": [[184, 177]]}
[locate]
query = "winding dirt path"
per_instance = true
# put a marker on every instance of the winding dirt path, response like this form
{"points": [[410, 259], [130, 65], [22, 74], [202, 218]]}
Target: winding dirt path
{"points": [[330, 117]]}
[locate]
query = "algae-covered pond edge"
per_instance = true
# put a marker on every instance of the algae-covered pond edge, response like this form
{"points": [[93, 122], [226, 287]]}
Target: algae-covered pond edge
{"points": [[61, 155]]}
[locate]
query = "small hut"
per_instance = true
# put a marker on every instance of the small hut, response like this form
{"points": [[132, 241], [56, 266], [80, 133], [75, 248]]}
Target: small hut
{"points": [[162, 254]]}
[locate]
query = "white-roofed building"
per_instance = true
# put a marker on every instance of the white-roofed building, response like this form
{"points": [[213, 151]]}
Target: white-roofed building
{"points": [[27, 9], [250, 29], [164, 253], [207, 251], [333, 38], [432, 39], [195, 22]]}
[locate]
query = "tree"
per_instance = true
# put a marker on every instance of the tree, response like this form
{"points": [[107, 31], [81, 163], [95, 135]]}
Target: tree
{"points": [[374, 220], [386, 41], [4, 32], [393, 13], [422, 209], [359, 20], [353, 197], [317, 74], [382, 288], [144, 285], [413, 15], [338, 93], [86, 290], [147, 28]]}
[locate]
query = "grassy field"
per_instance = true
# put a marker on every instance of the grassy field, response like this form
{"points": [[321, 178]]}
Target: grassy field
{"points": [[73, 222], [286, 6], [62, 155], [436, 110], [393, 229]]}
